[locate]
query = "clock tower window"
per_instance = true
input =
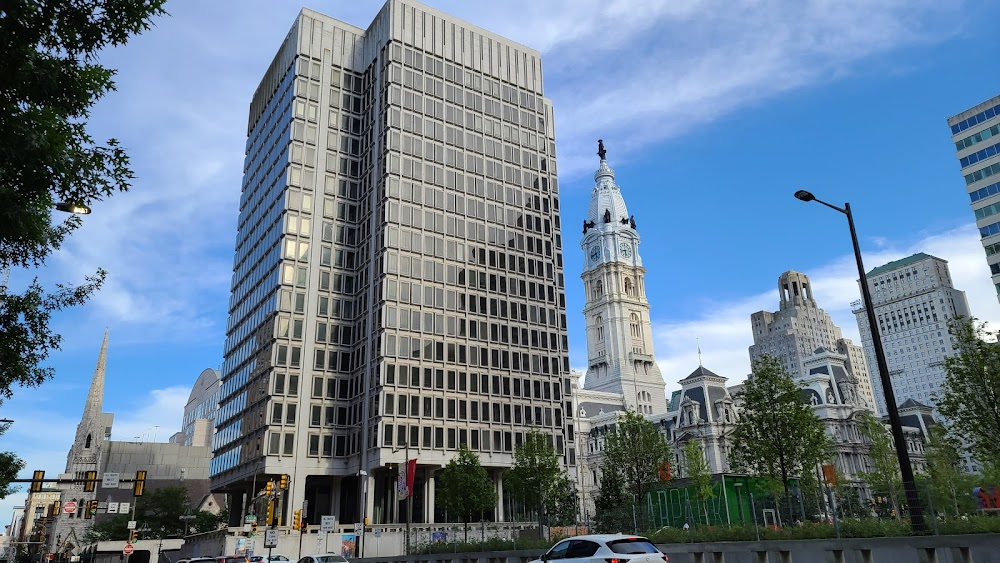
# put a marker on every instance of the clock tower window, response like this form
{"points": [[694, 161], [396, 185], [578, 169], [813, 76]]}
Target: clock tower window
{"points": [[629, 288], [598, 289]]}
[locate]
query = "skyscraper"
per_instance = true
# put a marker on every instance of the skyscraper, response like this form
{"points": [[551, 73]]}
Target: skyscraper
{"points": [[619, 332], [913, 300], [398, 284], [976, 134], [799, 328]]}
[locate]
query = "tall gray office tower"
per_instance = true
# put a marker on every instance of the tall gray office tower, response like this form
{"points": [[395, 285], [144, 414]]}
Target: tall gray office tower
{"points": [[799, 329], [913, 300], [398, 283], [976, 134]]}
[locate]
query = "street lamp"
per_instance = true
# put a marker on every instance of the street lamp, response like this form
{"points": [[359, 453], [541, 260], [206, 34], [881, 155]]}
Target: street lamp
{"points": [[77, 208], [909, 485]]}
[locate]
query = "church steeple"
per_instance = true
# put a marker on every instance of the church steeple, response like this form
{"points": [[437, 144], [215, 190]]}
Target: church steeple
{"points": [[95, 398]]}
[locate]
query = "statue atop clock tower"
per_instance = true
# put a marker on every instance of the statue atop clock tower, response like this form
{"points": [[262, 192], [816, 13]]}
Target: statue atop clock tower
{"points": [[620, 356]]}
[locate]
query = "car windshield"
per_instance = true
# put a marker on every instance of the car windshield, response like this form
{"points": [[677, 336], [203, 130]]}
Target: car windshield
{"points": [[331, 559], [628, 546]]}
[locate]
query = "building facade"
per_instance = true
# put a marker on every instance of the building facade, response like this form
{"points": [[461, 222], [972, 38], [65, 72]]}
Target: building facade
{"points": [[799, 327], [198, 422], [976, 134], [398, 285], [913, 299]]}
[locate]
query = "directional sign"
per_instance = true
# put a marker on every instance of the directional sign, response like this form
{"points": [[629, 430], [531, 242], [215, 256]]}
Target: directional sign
{"points": [[110, 480], [270, 538], [128, 549], [69, 507], [112, 508], [327, 524], [123, 507], [359, 528]]}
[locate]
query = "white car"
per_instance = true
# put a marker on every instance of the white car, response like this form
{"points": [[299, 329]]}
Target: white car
{"points": [[604, 548], [323, 558]]}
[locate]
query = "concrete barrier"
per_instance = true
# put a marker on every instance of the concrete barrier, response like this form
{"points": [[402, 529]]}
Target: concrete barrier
{"points": [[973, 548]]}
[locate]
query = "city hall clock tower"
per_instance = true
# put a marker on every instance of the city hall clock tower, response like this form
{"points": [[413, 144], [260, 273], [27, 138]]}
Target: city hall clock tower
{"points": [[620, 356]]}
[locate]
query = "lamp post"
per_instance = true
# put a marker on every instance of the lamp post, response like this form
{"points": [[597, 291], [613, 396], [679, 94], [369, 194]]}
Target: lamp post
{"points": [[905, 469]]}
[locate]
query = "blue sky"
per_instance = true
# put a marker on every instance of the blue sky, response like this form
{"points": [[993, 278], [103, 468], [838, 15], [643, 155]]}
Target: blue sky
{"points": [[713, 113]]}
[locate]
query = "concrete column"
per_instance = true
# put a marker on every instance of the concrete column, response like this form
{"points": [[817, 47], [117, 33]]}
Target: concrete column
{"points": [[498, 479], [369, 483], [429, 497], [335, 498]]}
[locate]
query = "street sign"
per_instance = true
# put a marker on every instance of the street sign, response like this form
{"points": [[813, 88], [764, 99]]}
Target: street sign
{"points": [[123, 507], [112, 508], [69, 507], [250, 518], [247, 527], [128, 549], [131, 524], [270, 538], [327, 524], [359, 528], [110, 480]]}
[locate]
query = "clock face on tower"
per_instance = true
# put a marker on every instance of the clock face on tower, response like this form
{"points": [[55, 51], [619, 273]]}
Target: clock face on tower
{"points": [[625, 249], [595, 253]]}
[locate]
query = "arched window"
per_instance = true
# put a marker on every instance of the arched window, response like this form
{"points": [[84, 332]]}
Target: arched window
{"points": [[599, 326], [87, 445], [629, 289], [598, 289], [635, 326]]}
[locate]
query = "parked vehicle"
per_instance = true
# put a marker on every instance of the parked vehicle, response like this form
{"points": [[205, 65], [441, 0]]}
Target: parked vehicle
{"points": [[324, 558], [231, 559], [604, 548], [267, 558]]}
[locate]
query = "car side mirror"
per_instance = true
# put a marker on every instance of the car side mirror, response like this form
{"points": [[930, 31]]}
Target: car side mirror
{"points": [[545, 557]]}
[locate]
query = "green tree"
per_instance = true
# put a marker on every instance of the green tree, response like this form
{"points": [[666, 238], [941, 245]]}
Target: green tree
{"points": [[777, 435], [610, 501], [464, 487], [635, 450], [884, 477], [537, 478], [159, 511], [970, 396], [947, 485], [49, 81], [697, 470]]}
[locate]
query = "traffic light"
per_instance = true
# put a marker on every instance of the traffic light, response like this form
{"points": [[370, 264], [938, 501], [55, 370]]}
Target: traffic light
{"points": [[270, 513], [36, 481], [253, 529], [284, 482], [133, 536], [297, 519], [90, 483], [91, 510], [269, 488], [55, 508], [139, 485]]}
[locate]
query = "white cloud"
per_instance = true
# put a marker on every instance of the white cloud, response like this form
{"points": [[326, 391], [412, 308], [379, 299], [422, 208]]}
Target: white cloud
{"points": [[158, 417], [724, 327]]}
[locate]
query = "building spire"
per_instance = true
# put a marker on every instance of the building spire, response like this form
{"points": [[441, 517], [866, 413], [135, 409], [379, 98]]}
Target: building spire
{"points": [[95, 397], [697, 343]]}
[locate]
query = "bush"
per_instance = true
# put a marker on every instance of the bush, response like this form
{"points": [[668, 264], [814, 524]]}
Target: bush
{"points": [[968, 525], [491, 544]]}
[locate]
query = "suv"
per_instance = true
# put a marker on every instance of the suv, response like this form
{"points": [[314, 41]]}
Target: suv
{"points": [[604, 548]]}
